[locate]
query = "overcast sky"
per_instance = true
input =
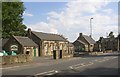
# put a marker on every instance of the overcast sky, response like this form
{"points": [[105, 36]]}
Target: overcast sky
{"points": [[70, 18]]}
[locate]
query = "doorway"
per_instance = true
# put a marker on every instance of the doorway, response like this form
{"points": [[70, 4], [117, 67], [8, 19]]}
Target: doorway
{"points": [[34, 52], [60, 54], [54, 54]]}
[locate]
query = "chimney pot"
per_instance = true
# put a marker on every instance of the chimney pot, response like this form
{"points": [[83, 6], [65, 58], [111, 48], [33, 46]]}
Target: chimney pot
{"points": [[80, 34], [29, 33]]}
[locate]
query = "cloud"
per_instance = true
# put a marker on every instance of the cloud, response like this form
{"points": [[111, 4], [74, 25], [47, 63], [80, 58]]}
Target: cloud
{"points": [[75, 18], [44, 27], [27, 14]]}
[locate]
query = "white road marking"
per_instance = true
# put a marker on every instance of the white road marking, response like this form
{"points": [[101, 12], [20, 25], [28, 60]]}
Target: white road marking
{"points": [[48, 73], [80, 65], [90, 63], [52, 73], [102, 60]]}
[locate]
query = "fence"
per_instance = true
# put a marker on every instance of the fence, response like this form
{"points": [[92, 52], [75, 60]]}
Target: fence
{"points": [[21, 58]]}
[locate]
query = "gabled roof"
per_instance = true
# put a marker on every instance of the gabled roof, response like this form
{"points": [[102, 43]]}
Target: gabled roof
{"points": [[81, 42], [25, 41], [71, 44], [49, 37], [89, 39], [108, 39], [4, 41]]}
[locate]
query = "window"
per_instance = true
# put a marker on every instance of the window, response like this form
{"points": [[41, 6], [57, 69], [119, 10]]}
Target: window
{"points": [[60, 46], [91, 45], [27, 52], [52, 47], [65, 47], [46, 49]]}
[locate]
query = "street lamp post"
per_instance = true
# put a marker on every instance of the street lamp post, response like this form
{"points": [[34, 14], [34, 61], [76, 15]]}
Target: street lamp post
{"points": [[118, 42], [91, 27]]}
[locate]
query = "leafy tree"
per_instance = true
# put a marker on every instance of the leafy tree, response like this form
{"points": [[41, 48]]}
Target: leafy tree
{"points": [[12, 13], [0, 19], [111, 35]]}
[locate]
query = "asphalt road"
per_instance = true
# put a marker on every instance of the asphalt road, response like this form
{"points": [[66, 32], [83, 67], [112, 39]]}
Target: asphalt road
{"points": [[85, 65]]}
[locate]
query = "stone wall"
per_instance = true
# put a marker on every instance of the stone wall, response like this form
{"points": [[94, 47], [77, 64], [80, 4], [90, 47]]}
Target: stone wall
{"points": [[49, 46], [21, 58], [107, 51]]}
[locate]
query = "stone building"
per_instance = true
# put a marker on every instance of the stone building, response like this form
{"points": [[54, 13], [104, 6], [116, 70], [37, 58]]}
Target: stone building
{"points": [[21, 45], [71, 48], [48, 42], [84, 43], [107, 44]]}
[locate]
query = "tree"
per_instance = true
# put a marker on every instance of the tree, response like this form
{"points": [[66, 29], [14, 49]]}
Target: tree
{"points": [[111, 35], [12, 13], [0, 20]]}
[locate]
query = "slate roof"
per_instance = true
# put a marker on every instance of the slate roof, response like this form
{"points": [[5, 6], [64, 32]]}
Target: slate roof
{"points": [[49, 37], [25, 41], [4, 41], [71, 44], [89, 39], [108, 39], [81, 42]]}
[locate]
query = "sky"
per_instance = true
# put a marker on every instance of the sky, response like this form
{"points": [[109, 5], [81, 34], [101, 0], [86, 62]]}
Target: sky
{"points": [[69, 18]]}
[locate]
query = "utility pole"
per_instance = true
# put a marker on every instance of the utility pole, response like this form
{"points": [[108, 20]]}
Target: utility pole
{"points": [[118, 42], [91, 27]]}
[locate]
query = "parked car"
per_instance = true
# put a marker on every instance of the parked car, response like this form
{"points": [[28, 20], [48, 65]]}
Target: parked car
{"points": [[1, 54], [78, 53]]}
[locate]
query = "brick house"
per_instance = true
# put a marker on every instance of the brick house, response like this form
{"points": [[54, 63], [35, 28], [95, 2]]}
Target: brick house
{"points": [[48, 42], [21, 45], [84, 43]]}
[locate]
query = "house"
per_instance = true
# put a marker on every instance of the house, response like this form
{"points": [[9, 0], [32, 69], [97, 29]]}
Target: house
{"points": [[71, 48], [4, 41], [47, 42], [21, 45], [84, 43], [107, 44], [97, 46]]}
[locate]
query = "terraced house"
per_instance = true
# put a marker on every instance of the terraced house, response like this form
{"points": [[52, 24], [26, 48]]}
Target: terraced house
{"points": [[108, 44], [48, 42]]}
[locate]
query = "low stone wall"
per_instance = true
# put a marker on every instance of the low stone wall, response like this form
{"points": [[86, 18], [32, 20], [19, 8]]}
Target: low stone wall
{"points": [[107, 51], [92, 53], [22, 58], [67, 56]]}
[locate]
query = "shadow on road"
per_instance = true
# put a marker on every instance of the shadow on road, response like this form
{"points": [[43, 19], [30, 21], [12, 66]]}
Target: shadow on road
{"points": [[97, 72], [105, 55]]}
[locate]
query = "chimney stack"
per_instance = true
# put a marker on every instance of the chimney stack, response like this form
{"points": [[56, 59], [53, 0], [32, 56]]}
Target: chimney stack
{"points": [[29, 33], [80, 34]]}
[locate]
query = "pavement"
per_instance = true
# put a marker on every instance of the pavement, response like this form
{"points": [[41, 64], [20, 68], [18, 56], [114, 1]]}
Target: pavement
{"points": [[38, 60], [71, 66]]}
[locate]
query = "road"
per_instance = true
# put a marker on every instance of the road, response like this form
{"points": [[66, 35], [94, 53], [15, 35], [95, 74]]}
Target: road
{"points": [[86, 65]]}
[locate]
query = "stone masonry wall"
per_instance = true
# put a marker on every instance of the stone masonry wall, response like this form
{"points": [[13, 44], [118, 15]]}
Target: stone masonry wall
{"points": [[22, 58]]}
